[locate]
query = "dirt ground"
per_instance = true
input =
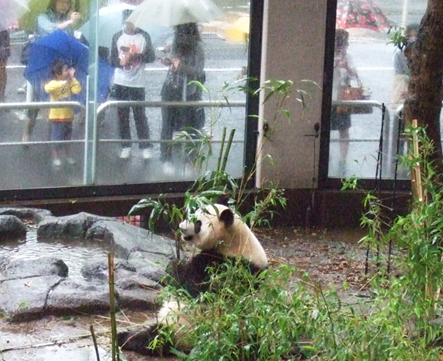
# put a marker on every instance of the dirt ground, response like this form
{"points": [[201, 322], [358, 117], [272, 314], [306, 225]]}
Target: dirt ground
{"points": [[327, 255]]}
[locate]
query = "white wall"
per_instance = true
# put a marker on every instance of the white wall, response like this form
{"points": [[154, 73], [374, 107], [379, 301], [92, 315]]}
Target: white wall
{"points": [[293, 48]]}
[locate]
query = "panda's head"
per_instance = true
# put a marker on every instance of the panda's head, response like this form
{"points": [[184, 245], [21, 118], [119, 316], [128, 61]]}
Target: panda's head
{"points": [[208, 227], [219, 228]]}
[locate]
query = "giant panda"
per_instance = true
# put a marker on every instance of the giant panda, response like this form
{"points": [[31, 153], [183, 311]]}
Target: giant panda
{"points": [[220, 235]]}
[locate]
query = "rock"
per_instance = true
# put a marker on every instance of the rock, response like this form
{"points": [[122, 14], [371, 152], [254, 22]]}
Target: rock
{"points": [[40, 287], [11, 227], [34, 215], [72, 227]]}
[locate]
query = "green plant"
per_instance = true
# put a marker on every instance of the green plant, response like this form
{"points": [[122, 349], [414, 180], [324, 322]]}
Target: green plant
{"points": [[242, 318], [398, 37], [211, 185], [232, 320]]}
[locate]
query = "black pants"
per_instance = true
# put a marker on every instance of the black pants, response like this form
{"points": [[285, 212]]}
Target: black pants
{"points": [[141, 121], [178, 118]]}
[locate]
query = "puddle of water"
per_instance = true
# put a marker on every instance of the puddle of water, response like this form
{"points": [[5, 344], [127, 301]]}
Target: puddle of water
{"points": [[75, 253]]}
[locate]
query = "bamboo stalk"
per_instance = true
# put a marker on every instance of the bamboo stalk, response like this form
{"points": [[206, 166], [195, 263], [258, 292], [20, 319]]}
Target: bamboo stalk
{"points": [[222, 145], [228, 149], [417, 186], [95, 342], [114, 345], [417, 190]]}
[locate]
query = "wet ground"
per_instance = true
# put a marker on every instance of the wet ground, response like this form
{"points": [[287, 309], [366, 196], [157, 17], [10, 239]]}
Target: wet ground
{"points": [[327, 255]]}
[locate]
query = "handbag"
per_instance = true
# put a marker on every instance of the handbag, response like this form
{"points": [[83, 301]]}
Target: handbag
{"points": [[173, 86], [358, 92]]}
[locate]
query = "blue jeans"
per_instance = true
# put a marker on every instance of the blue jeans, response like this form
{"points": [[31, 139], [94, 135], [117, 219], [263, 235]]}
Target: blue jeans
{"points": [[60, 131]]}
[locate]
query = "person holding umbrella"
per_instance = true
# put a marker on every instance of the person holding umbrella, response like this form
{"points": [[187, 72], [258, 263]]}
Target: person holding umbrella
{"points": [[131, 50], [186, 64], [59, 15]]}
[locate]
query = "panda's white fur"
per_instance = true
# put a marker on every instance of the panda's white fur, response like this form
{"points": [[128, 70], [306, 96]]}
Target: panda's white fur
{"points": [[218, 232], [231, 240]]}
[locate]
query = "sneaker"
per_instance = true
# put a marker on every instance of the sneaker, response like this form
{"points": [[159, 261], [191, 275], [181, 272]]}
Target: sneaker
{"points": [[70, 160], [21, 90], [26, 137], [56, 162], [125, 153], [168, 168], [147, 154]]}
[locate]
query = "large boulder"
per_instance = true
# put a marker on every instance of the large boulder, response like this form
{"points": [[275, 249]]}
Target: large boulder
{"points": [[11, 227], [33, 288]]}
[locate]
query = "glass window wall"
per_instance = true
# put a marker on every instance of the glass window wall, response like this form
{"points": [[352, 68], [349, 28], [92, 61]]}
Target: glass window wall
{"points": [[364, 142], [115, 127]]}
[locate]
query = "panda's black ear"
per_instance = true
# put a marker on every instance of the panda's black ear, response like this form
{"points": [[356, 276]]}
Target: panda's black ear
{"points": [[227, 217]]}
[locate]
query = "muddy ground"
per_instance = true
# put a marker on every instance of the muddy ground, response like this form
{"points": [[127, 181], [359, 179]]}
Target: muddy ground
{"points": [[327, 255]]}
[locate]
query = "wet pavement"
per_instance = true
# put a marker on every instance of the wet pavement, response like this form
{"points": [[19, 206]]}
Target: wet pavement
{"points": [[65, 338]]}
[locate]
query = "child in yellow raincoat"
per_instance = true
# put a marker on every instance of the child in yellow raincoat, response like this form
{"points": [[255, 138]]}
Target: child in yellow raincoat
{"points": [[60, 88]]}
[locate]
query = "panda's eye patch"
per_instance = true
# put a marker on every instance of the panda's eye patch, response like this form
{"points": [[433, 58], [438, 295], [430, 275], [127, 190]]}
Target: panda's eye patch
{"points": [[197, 227]]}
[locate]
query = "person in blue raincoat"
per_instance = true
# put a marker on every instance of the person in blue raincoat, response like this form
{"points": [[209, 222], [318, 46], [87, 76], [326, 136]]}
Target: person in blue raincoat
{"points": [[59, 15]]}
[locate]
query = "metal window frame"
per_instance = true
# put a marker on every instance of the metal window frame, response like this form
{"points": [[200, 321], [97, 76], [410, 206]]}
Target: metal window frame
{"points": [[324, 181]]}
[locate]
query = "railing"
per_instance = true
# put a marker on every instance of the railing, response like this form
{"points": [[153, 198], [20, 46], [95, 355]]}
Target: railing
{"points": [[91, 159], [387, 159]]}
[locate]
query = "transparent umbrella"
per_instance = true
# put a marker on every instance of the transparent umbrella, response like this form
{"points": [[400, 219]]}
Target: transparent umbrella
{"points": [[110, 22], [11, 10], [174, 12]]}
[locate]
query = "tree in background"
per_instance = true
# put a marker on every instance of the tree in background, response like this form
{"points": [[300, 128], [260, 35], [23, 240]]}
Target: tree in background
{"points": [[425, 57]]}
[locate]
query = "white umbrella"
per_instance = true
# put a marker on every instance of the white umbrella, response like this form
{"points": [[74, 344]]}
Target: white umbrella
{"points": [[174, 12], [110, 21], [11, 10]]}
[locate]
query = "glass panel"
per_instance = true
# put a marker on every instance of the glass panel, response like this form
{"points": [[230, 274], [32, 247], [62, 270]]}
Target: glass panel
{"points": [[225, 53], [355, 138], [28, 159]]}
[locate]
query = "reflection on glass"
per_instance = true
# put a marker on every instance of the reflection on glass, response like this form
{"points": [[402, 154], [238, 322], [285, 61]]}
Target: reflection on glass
{"points": [[355, 152], [220, 55]]}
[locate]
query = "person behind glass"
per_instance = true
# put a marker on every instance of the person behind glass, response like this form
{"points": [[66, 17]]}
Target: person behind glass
{"points": [[344, 72], [60, 88], [401, 68], [131, 50], [186, 63], [59, 15], [5, 53]]}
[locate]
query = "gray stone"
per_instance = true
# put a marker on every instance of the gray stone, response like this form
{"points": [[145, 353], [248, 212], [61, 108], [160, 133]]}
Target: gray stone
{"points": [[23, 269], [31, 289], [25, 298], [34, 215], [11, 227]]}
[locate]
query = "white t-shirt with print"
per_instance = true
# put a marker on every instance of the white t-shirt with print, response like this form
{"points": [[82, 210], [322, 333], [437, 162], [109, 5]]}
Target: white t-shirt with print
{"points": [[133, 75]]}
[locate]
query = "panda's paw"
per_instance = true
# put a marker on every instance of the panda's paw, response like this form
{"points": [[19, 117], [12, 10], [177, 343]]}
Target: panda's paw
{"points": [[138, 341]]}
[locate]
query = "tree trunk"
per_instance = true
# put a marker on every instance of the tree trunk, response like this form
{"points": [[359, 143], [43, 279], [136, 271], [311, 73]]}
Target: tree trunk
{"points": [[425, 58]]}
